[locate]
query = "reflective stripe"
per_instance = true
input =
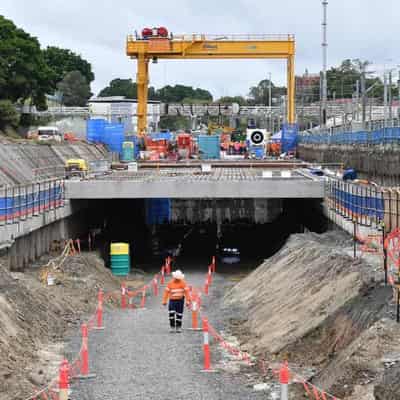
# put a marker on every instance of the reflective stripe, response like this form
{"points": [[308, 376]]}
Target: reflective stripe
{"points": [[205, 337]]}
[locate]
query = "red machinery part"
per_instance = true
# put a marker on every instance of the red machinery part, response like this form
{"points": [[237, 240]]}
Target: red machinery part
{"points": [[146, 32], [162, 31]]}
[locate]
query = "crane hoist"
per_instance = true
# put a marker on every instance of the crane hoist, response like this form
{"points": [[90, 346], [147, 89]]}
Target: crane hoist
{"points": [[157, 43]]}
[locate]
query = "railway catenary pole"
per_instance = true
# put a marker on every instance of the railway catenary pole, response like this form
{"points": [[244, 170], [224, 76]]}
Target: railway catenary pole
{"points": [[324, 62]]}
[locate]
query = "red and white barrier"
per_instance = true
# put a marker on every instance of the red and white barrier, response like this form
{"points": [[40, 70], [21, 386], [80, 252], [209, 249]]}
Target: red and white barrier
{"points": [[162, 276], [84, 355], [206, 347], [155, 286], [99, 311], [143, 301], [63, 381], [284, 377], [123, 295]]}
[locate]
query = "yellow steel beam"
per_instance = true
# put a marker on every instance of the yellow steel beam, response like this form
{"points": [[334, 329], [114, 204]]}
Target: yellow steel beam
{"points": [[201, 47]]}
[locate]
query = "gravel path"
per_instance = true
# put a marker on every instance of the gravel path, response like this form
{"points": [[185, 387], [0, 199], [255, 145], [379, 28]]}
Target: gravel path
{"points": [[136, 357]]}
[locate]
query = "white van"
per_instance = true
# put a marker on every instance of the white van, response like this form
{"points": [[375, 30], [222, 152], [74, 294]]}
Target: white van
{"points": [[46, 133]]}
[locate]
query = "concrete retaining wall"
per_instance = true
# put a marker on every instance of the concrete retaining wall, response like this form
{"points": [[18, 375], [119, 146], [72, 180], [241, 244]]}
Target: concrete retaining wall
{"points": [[24, 162], [380, 163]]}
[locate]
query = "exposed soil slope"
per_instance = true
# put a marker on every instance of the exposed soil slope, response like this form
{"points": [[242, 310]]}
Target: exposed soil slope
{"points": [[322, 309], [34, 319]]}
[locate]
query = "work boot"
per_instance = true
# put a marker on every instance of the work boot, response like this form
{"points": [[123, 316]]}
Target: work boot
{"points": [[172, 330], [178, 330]]}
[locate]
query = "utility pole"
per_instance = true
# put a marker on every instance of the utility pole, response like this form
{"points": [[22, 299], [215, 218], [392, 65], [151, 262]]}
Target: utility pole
{"points": [[324, 61], [390, 98], [363, 97], [398, 105], [385, 98], [270, 101]]}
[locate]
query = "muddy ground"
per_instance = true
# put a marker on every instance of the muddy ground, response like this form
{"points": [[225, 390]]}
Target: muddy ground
{"points": [[35, 318], [329, 314]]}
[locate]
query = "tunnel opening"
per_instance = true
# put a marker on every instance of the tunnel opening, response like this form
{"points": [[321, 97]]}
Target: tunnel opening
{"points": [[196, 229]]}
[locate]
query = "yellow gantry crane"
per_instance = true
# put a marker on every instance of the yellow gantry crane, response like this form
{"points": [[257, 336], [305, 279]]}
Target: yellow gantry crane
{"points": [[152, 46]]}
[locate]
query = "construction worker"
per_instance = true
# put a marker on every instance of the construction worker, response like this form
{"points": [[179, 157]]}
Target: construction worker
{"points": [[176, 291]]}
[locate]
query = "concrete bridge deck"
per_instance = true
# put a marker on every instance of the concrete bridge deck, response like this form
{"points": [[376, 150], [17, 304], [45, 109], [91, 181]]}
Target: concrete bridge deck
{"points": [[186, 183]]}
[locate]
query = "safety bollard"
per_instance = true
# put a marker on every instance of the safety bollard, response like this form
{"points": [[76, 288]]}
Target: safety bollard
{"points": [[143, 301], [89, 242], [85, 355], [284, 377], [214, 264], [195, 321], [123, 295], [206, 347], [209, 275], [206, 287], [162, 276], [78, 245], [99, 311], [63, 381], [155, 286]]}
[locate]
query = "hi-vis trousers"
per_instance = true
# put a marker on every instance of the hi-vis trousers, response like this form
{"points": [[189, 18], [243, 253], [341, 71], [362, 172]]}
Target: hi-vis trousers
{"points": [[175, 308]]}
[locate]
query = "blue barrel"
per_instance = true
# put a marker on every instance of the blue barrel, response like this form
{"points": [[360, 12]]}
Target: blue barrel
{"points": [[209, 147], [135, 140], [114, 136], [258, 152], [128, 152], [95, 130]]}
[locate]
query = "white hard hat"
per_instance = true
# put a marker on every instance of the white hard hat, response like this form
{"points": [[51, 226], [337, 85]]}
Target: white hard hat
{"points": [[178, 274]]}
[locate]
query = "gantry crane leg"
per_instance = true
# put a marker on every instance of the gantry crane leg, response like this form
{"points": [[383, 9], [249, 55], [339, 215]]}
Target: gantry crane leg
{"points": [[142, 81], [291, 118]]}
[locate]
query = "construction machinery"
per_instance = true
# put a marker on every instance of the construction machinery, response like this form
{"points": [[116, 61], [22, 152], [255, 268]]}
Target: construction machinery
{"points": [[157, 43], [76, 167]]}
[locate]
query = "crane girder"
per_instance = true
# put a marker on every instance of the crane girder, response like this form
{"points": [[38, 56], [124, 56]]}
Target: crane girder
{"points": [[210, 47]]}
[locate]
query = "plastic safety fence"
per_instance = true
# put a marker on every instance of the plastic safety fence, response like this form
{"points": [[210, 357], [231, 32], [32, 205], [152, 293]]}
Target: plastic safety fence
{"points": [[20, 202], [380, 136], [289, 137], [364, 203], [282, 371]]}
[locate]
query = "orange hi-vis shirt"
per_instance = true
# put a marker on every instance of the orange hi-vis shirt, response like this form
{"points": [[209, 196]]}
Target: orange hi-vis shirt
{"points": [[176, 290]]}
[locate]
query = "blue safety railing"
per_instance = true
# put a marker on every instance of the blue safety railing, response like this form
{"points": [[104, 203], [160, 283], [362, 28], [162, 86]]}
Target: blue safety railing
{"points": [[25, 201], [363, 203], [380, 136]]}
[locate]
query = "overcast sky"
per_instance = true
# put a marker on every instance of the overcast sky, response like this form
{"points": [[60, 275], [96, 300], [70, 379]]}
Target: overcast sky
{"points": [[366, 29]]}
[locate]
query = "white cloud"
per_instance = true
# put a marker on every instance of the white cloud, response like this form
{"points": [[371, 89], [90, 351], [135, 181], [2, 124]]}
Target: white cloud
{"points": [[97, 30]]}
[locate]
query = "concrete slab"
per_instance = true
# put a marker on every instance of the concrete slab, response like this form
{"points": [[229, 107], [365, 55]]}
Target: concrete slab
{"points": [[190, 189]]}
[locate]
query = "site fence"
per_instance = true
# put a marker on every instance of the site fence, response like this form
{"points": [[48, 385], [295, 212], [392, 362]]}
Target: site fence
{"points": [[17, 203], [366, 205], [375, 133]]}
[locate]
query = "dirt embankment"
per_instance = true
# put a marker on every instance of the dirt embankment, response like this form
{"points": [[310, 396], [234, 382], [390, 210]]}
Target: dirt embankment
{"points": [[326, 312], [34, 319]]}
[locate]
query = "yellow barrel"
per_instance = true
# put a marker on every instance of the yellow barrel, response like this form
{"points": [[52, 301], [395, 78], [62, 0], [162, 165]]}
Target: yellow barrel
{"points": [[119, 248], [120, 260]]}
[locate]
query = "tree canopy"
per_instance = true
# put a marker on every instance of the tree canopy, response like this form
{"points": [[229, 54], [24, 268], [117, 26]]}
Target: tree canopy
{"points": [[342, 80], [232, 99], [260, 94], [167, 94], [75, 89], [62, 61], [24, 73]]}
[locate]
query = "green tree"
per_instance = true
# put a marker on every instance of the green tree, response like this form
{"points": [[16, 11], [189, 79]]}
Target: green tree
{"points": [[177, 93], [62, 61], [342, 80], [126, 88], [75, 89], [260, 94], [8, 115], [24, 73], [232, 99]]}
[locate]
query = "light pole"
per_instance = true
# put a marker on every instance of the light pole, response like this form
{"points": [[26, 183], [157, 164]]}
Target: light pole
{"points": [[324, 62], [270, 101]]}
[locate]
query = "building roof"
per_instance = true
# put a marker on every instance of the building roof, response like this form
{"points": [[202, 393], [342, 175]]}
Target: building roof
{"points": [[118, 99]]}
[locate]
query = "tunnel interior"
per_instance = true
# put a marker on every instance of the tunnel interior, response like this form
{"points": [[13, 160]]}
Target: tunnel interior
{"points": [[199, 236]]}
